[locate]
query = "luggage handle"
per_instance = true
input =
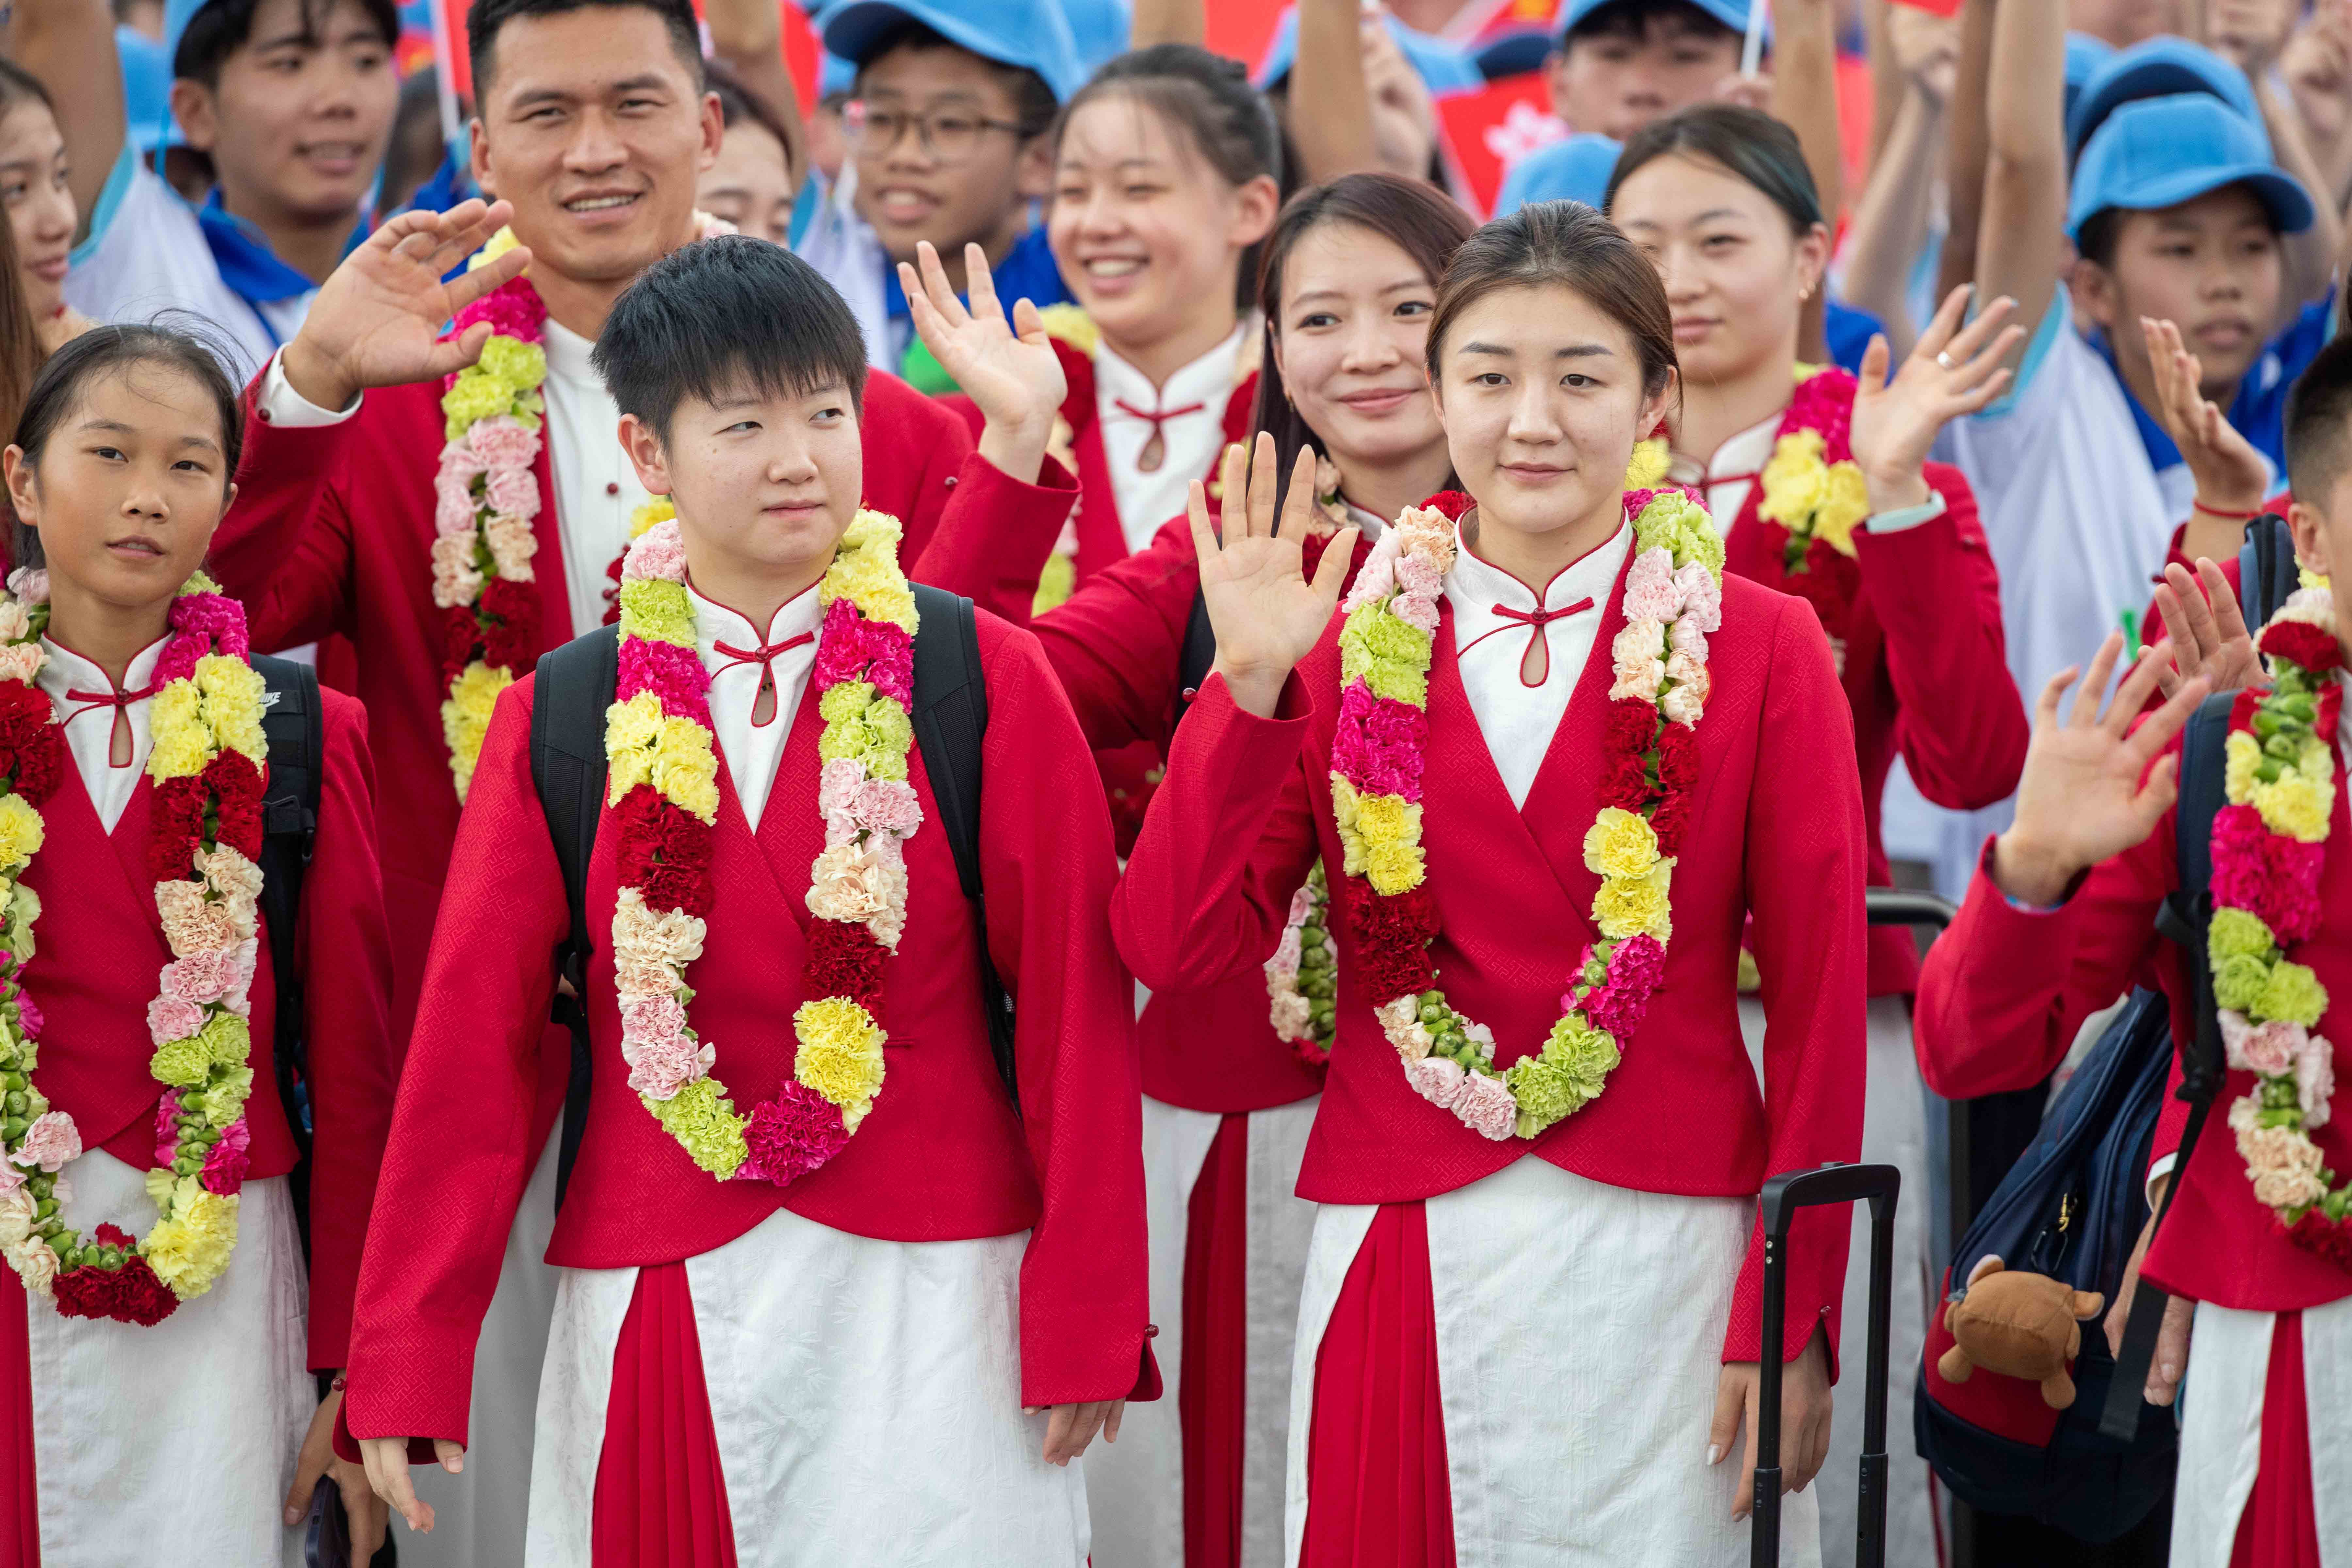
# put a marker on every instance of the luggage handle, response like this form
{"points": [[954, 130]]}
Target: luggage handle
{"points": [[1783, 1196]]}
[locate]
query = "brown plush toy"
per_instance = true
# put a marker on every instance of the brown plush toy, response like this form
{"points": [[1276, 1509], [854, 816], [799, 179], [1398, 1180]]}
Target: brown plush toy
{"points": [[2019, 1325]]}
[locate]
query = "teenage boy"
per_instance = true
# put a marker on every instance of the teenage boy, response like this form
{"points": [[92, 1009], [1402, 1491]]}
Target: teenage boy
{"points": [[593, 128], [2061, 918], [947, 141], [905, 1262], [1622, 64], [291, 103]]}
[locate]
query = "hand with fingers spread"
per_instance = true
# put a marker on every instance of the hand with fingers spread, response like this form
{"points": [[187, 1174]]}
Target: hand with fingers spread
{"points": [[1070, 1428], [2207, 633], [387, 1471], [1267, 615], [1805, 1410], [378, 319], [316, 1462], [2231, 475], [1009, 369], [2170, 1361], [1955, 370], [2088, 790]]}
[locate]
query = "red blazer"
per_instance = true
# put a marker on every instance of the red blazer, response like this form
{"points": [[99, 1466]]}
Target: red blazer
{"points": [[940, 1156], [333, 530], [2003, 992], [1777, 832], [102, 948], [1926, 670]]}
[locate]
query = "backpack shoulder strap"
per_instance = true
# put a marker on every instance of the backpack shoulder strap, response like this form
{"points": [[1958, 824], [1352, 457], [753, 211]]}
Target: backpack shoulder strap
{"points": [[2267, 572], [1198, 656], [2203, 745], [295, 724], [574, 685], [950, 718]]}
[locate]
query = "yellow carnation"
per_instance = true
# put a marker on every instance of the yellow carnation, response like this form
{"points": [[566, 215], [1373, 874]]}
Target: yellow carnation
{"points": [[870, 579], [2296, 805], [661, 509], [232, 696], [466, 717], [499, 245], [1620, 843], [1845, 503], [686, 770], [474, 398], [182, 745], [20, 833], [1627, 906], [705, 1124], [1073, 326], [1388, 820], [840, 1055], [1648, 469], [1055, 583], [1394, 868], [872, 530], [191, 1244], [182, 1064], [1795, 481], [1343, 815], [228, 1041], [2242, 754]]}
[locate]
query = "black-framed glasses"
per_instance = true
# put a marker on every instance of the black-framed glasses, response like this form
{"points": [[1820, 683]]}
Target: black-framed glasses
{"points": [[950, 136]]}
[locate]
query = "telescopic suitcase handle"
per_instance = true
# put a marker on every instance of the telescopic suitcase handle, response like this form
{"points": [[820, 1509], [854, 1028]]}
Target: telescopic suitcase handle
{"points": [[1783, 1196]]}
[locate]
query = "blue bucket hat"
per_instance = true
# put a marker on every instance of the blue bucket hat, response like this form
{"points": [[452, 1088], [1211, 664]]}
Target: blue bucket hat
{"points": [[1576, 169], [2161, 152], [2084, 55], [1098, 30], [2158, 68], [1446, 71], [146, 88], [1732, 13], [1028, 34]]}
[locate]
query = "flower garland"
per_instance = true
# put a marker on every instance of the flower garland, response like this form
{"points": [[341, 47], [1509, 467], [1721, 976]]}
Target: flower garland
{"points": [[208, 763], [664, 789], [1811, 487], [1673, 599], [2268, 848], [1302, 980]]}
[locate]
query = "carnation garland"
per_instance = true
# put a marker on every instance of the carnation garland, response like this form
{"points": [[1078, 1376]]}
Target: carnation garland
{"points": [[664, 789], [1673, 599], [2268, 846], [1302, 978], [209, 764], [1812, 493]]}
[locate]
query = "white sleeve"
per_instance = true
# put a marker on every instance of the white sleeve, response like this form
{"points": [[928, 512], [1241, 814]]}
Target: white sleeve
{"points": [[281, 406]]}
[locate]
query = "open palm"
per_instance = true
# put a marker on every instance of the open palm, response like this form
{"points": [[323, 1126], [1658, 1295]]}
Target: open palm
{"points": [[1007, 367], [1266, 613], [378, 319]]}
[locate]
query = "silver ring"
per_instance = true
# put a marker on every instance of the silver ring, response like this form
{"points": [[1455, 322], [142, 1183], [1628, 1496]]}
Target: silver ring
{"points": [[1946, 361]]}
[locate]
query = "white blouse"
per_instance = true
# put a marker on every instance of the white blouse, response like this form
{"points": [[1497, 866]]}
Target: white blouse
{"points": [[1192, 431], [741, 661], [1497, 617], [86, 701]]}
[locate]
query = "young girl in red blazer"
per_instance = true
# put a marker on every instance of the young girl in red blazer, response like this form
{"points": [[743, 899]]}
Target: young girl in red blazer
{"points": [[1553, 761], [155, 1365], [1820, 486]]}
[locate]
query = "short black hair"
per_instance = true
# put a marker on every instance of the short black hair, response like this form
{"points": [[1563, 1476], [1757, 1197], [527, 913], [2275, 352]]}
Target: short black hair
{"points": [[1631, 18], [1034, 103], [222, 27], [2319, 424], [485, 17], [721, 314]]}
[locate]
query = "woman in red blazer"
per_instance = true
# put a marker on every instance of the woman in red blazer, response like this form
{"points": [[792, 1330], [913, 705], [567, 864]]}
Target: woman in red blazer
{"points": [[1549, 812], [1825, 495], [155, 1366]]}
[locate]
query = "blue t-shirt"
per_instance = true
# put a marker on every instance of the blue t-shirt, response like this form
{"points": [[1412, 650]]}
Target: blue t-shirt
{"points": [[1027, 272]]}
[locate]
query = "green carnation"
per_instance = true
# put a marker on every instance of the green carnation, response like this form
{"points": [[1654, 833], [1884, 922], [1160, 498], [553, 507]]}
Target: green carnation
{"points": [[2239, 981], [2294, 993], [846, 701], [657, 610], [1582, 1052], [182, 1064], [225, 1096], [1546, 1093], [1388, 656], [476, 397], [519, 365], [227, 1037], [2238, 933], [700, 1117]]}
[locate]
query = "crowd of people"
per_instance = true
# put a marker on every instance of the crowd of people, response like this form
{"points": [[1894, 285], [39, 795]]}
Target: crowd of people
{"points": [[1332, 735]]}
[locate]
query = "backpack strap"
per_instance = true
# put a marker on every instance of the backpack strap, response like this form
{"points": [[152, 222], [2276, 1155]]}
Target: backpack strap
{"points": [[951, 719], [575, 684], [294, 723], [2267, 570], [2183, 919]]}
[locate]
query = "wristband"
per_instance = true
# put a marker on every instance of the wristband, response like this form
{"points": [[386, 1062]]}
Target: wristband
{"points": [[2224, 514]]}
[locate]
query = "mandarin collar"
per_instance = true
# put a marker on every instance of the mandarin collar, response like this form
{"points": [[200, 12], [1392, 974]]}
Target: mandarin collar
{"points": [[714, 623], [66, 670], [1207, 379], [1475, 586]]}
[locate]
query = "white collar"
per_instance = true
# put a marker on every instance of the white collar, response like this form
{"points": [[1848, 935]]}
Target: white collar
{"points": [[1369, 522], [567, 353], [1477, 587], [1746, 453], [714, 623], [66, 670], [1208, 381]]}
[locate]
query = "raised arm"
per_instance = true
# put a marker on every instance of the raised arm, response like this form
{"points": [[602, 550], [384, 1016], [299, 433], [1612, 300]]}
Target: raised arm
{"points": [[1330, 119], [748, 35], [2022, 245], [69, 46], [1890, 223], [1805, 93], [1966, 151], [1169, 22]]}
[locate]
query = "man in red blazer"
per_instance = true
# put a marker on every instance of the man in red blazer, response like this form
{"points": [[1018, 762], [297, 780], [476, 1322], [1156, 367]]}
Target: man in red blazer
{"points": [[594, 126], [2058, 922]]}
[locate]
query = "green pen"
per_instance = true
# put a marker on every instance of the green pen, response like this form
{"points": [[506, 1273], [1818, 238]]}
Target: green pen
{"points": [[2131, 630]]}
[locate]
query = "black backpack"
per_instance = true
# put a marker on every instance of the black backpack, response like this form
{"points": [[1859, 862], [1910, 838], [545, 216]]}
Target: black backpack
{"points": [[295, 725], [576, 683]]}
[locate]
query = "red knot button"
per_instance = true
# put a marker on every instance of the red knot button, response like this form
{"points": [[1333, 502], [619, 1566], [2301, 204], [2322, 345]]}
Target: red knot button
{"points": [[612, 490]]}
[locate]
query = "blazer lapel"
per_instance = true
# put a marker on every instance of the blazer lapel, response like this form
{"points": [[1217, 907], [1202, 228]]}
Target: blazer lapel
{"points": [[791, 833], [1566, 793]]}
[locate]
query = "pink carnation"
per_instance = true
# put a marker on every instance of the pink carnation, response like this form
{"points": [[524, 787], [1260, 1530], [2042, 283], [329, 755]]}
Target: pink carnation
{"points": [[11, 1178], [178, 659], [28, 1015], [658, 556], [1437, 1079], [791, 1135], [2268, 875], [172, 1019], [51, 1142], [30, 584], [1416, 610], [887, 805], [221, 975], [215, 618], [2315, 1081], [1376, 579], [1824, 402], [671, 672], [167, 1132], [505, 443], [1378, 743], [652, 1018], [1638, 962], [1650, 590], [659, 1067], [513, 491], [1486, 1106], [455, 506], [1702, 597], [459, 464], [513, 310], [851, 648], [1418, 575], [226, 1165], [837, 784]]}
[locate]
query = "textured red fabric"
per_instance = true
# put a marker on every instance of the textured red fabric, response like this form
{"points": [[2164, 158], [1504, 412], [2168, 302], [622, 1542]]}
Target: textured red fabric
{"points": [[1377, 1490], [2280, 1528], [1778, 831], [1925, 672], [661, 1498], [20, 1517], [1213, 1384]]}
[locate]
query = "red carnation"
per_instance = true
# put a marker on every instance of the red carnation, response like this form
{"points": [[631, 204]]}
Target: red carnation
{"points": [[176, 831], [2301, 643], [1392, 937], [236, 785], [140, 1297], [669, 886], [37, 766], [1452, 503], [1671, 821], [1624, 781], [461, 633], [25, 715], [1677, 759], [846, 960], [1632, 726], [87, 1292], [2331, 1239], [510, 623], [113, 1235]]}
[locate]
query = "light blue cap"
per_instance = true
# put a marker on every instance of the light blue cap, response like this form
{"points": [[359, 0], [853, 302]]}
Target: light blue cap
{"points": [[146, 88], [1098, 29], [2158, 153], [833, 75], [2084, 55], [1732, 13], [2159, 68], [1575, 169], [1030, 34], [1444, 69]]}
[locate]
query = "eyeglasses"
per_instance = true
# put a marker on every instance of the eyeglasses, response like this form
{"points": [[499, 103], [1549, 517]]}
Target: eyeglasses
{"points": [[948, 137]]}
